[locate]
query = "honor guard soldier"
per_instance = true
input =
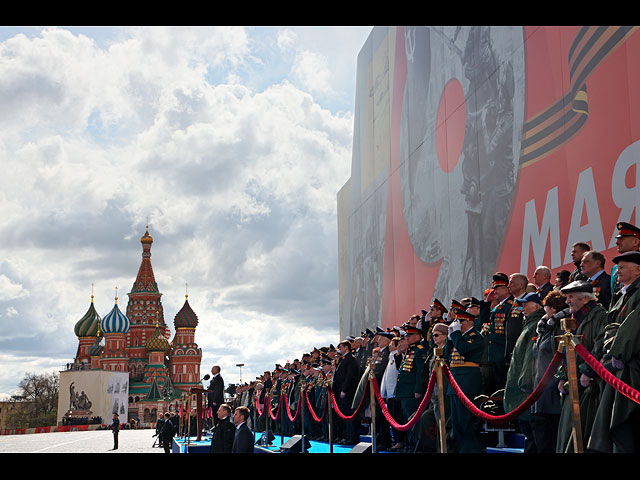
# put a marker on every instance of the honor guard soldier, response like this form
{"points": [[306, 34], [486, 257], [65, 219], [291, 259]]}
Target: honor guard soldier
{"points": [[627, 240], [496, 328], [463, 352]]}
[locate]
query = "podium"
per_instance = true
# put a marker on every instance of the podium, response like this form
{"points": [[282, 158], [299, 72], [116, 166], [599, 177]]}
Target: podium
{"points": [[199, 391]]}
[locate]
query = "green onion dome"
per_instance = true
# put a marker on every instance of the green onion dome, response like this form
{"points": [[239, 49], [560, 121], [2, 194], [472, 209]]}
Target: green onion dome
{"points": [[88, 325]]}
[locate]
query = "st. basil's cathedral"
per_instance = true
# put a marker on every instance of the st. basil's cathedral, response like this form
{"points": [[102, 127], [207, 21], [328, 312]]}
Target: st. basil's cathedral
{"points": [[137, 341]]}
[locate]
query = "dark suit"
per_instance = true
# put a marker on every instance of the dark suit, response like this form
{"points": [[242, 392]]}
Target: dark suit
{"points": [[243, 440], [223, 436], [346, 379], [215, 397], [543, 290], [602, 289], [166, 435]]}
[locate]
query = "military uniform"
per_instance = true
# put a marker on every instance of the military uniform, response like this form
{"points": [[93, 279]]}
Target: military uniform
{"points": [[496, 333], [463, 353], [409, 381]]}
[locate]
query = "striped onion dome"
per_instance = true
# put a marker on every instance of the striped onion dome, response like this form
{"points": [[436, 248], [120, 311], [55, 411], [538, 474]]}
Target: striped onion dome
{"points": [[96, 349], [87, 326], [186, 317], [115, 321], [157, 342]]}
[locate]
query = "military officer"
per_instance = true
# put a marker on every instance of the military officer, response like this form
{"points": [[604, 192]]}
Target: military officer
{"points": [[463, 352], [496, 328], [436, 315], [410, 387], [627, 240]]}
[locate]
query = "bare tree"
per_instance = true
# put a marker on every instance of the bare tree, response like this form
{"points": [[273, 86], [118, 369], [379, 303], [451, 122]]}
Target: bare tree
{"points": [[38, 394]]}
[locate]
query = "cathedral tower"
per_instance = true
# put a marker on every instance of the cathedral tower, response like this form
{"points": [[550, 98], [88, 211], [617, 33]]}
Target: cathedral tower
{"points": [[143, 309]]}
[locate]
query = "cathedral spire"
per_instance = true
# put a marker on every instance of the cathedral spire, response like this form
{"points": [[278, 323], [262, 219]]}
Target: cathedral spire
{"points": [[145, 281]]}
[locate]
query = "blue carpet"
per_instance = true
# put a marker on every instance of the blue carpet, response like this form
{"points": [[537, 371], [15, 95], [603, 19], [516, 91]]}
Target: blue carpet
{"points": [[180, 446]]}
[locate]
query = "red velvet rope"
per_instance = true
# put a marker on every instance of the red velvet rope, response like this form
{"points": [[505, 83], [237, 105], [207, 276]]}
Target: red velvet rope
{"points": [[286, 399], [260, 412], [277, 415], [414, 419], [516, 412], [313, 414], [607, 376], [337, 409]]}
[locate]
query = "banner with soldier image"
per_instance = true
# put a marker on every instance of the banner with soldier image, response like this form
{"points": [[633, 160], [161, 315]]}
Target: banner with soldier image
{"points": [[483, 149]]}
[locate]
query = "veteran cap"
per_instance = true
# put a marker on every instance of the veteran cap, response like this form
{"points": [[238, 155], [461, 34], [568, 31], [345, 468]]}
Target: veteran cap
{"points": [[633, 256], [578, 286], [530, 297]]}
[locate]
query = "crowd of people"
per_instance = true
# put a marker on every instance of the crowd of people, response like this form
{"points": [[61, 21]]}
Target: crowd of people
{"points": [[497, 349]]}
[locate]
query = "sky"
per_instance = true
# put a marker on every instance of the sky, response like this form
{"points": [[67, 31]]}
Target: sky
{"points": [[230, 143]]}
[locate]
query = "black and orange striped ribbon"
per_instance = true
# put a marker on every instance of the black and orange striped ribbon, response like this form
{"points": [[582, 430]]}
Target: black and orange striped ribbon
{"points": [[551, 128]]}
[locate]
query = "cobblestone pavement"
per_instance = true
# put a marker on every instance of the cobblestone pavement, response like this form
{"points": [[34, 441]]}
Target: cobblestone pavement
{"points": [[97, 441]]}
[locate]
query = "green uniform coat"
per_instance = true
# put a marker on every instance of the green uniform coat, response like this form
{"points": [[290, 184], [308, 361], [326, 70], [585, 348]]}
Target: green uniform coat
{"points": [[521, 370]]}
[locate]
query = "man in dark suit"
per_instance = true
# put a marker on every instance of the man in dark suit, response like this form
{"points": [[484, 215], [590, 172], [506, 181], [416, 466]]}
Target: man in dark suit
{"points": [[215, 397], [224, 432], [592, 265], [243, 439], [380, 357], [542, 280], [167, 433], [345, 382]]}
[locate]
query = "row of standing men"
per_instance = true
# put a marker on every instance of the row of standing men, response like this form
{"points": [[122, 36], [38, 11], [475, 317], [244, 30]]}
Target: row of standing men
{"points": [[497, 349]]}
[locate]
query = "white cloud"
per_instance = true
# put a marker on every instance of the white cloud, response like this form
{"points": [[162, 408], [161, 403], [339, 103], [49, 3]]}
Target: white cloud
{"points": [[239, 187]]}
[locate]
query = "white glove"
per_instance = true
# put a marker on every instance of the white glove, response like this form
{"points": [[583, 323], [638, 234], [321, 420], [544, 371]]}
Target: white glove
{"points": [[454, 327]]}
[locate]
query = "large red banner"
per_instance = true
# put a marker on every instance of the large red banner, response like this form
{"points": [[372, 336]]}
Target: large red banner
{"points": [[503, 147]]}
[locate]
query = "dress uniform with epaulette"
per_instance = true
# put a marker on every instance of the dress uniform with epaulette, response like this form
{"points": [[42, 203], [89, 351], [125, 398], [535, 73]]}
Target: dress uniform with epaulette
{"points": [[409, 381], [496, 332], [463, 353]]}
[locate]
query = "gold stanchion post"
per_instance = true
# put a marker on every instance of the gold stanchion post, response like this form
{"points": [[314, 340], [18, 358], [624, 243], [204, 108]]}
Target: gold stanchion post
{"points": [[569, 324], [372, 407], [441, 423]]}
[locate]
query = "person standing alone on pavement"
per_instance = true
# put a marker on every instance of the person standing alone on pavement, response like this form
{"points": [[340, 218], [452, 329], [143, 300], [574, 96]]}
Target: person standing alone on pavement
{"points": [[115, 428]]}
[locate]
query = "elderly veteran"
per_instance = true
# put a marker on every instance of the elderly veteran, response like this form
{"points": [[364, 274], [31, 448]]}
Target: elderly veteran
{"points": [[591, 319], [520, 376], [616, 426]]}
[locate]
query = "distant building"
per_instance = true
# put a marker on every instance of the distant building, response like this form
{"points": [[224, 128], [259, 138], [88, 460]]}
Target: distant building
{"points": [[137, 342]]}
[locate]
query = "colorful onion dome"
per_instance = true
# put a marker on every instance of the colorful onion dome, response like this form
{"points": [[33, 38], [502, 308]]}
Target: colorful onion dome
{"points": [[157, 342], [115, 321], [96, 349], [186, 317], [88, 325]]}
